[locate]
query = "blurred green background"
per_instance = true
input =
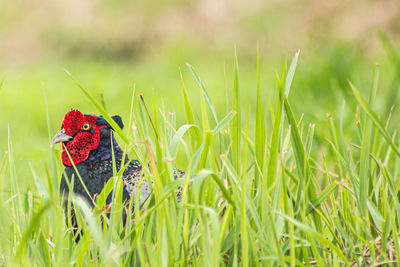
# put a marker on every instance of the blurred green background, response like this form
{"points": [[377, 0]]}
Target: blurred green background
{"points": [[110, 46]]}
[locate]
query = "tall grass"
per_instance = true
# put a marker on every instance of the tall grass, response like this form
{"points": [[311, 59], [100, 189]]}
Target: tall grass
{"points": [[255, 191]]}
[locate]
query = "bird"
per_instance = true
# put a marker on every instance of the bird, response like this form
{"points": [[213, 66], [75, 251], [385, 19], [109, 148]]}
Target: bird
{"points": [[89, 148]]}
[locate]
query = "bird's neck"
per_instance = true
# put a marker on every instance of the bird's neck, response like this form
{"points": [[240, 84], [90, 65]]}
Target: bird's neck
{"points": [[107, 146]]}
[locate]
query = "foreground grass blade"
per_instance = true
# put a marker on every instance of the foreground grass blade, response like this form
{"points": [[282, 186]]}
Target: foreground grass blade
{"points": [[204, 92], [260, 125], [236, 121], [378, 124], [224, 122]]}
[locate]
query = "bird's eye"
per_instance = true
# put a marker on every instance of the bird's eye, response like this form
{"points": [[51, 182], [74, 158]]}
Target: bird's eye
{"points": [[86, 126]]}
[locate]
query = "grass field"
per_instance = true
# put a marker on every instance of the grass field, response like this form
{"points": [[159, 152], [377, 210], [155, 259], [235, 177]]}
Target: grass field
{"points": [[271, 178], [290, 158]]}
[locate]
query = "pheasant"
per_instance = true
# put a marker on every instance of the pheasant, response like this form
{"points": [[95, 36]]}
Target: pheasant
{"points": [[89, 142]]}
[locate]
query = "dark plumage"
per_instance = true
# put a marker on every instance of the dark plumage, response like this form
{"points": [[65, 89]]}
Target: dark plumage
{"points": [[88, 140], [98, 168]]}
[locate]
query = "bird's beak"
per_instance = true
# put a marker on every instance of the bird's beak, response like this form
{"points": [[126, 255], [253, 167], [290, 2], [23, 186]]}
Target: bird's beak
{"points": [[60, 137]]}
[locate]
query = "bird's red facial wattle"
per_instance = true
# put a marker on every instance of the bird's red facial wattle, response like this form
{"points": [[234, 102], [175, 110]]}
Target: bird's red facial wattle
{"points": [[79, 134]]}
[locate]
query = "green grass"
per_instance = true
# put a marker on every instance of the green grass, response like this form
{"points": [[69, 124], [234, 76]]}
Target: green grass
{"points": [[262, 186]]}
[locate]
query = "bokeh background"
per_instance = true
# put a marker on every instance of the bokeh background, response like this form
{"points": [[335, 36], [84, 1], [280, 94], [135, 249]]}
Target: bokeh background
{"points": [[110, 46]]}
